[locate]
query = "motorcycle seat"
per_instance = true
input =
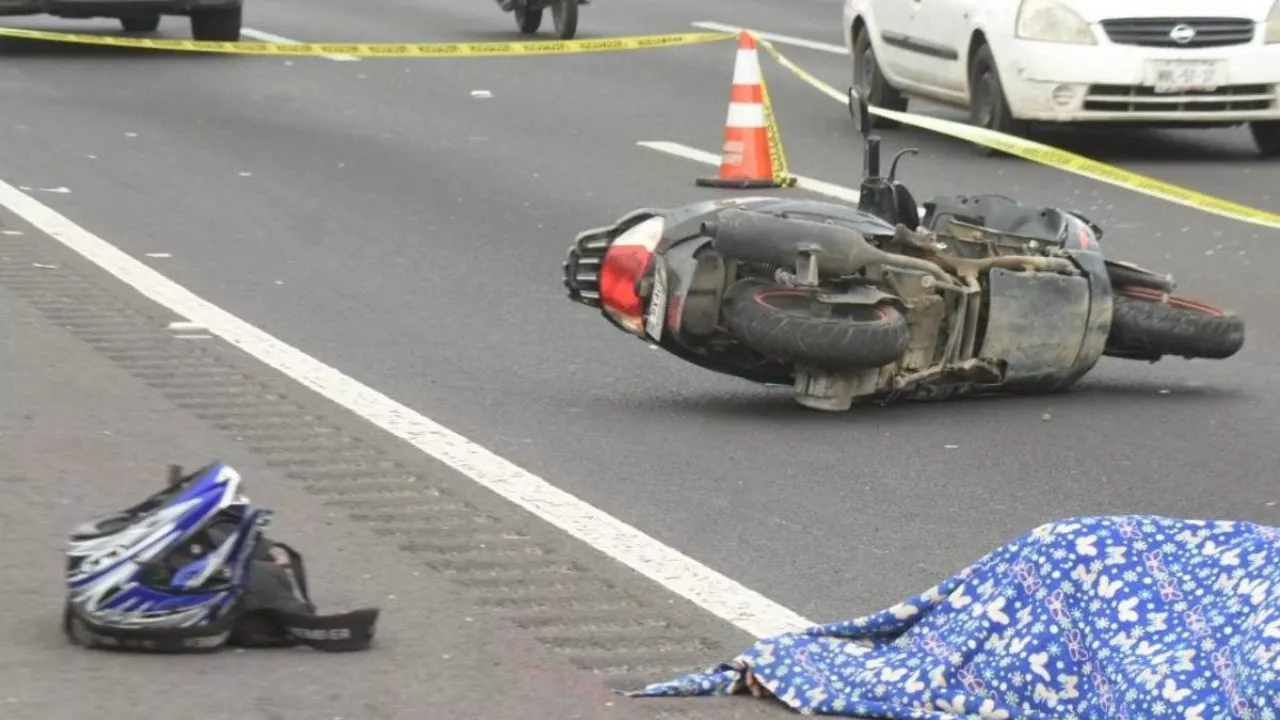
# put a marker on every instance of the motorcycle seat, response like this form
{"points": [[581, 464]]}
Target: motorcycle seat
{"points": [[999, 213]]}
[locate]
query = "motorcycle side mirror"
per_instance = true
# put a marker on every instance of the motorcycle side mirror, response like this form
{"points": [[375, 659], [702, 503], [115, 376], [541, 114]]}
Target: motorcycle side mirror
{"points": [[860, 112], [893, 166]]}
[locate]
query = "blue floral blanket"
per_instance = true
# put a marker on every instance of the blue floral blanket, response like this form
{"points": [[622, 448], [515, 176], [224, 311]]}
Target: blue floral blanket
{"points": [[1115, 618]]}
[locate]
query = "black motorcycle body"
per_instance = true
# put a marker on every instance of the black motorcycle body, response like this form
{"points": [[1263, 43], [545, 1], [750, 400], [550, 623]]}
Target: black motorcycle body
{"points": [[972, 294]]}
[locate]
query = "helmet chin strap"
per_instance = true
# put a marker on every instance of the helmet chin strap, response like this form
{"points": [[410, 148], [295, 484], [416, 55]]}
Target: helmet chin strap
{"points": [[277, 610], [344, 632]]}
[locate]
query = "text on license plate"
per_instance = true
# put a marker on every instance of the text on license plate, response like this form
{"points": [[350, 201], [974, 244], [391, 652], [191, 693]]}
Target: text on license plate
{"points": [[1171, 76], [655, 318]]}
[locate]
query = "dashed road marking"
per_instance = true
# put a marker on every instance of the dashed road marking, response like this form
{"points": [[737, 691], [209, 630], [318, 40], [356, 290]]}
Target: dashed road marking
{"points": [[774, 37], [838, 192]]}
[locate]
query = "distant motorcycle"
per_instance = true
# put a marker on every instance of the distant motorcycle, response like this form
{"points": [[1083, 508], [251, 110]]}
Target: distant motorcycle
{"points": [[974, 294], [564, 14]]}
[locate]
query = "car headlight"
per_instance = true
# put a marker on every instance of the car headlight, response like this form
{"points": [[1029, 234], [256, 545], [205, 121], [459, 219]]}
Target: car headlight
{"points": [[1052, 21], [1273, 25]]}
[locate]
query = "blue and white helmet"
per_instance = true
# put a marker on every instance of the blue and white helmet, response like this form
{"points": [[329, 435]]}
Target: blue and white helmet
{"points": [[190, 570], [168, 571]]}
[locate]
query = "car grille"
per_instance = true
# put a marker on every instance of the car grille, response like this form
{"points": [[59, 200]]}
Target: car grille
{"points": [[1133, 98], [1155, 32]]}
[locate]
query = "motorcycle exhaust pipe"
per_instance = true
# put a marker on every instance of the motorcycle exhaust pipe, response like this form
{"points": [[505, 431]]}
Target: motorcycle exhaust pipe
{"points": [[771, 240]]}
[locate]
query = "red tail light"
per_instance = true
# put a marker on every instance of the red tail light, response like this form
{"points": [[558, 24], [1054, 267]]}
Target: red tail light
{"points": [[626, 261]]}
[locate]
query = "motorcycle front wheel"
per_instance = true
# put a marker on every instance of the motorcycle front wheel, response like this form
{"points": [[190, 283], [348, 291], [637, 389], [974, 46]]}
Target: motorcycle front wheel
{"points": [[1147, 325], [564, 13]]}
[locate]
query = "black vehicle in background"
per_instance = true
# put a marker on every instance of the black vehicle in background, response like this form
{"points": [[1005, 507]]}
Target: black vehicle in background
{"points": [[214, 20]]}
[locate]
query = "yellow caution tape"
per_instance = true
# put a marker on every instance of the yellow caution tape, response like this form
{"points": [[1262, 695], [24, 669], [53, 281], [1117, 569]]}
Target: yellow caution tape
{"points": [[1026, 149], [1051, 156], [777, 155], [382, 50]]}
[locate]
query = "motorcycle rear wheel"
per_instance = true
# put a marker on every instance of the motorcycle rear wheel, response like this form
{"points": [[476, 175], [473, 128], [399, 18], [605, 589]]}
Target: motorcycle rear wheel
{"points": [[789, 324], [1145, 325]]}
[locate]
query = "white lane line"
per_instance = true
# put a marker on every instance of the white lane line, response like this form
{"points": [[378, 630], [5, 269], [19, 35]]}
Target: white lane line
{"points": [[682, 575], [265, 36], [839, 192], [706, 158], [772, 37]]}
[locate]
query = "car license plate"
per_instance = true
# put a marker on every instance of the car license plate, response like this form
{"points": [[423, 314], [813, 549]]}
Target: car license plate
{"points": [[656, 317], [1172, 76]]}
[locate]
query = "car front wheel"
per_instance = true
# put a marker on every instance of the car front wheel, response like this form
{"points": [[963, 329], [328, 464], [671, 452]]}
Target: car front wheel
{"points": [[988, 106], [140, 23], [220, 25], [871, 84], [1266, 136]]}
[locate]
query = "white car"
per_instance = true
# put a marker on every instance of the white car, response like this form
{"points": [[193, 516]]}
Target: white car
{"points": [[1169, 63]]}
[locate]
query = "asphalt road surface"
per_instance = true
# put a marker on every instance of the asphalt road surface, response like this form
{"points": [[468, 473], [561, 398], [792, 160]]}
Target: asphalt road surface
{"points": [[381, 217]]}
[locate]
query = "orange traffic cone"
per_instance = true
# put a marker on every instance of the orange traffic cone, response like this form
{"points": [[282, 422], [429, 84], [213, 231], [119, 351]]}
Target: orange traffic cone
{"points": [[752, 156]]}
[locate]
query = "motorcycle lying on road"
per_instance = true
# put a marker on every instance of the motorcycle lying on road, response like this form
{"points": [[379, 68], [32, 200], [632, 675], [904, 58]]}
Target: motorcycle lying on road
{"points": [[972, 294], [564, 14]]}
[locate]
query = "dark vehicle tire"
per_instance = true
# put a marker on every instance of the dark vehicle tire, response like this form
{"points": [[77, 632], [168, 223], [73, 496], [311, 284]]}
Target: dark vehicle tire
{"points": [[871, 83], [564, 14], [221, 25], [789, 324], [528, 20], [1266, 136], [988, 107], [1145, 327], [140, 23]]}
